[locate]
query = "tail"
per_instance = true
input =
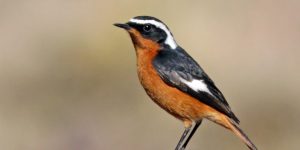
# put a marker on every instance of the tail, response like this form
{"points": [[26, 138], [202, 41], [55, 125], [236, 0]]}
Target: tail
{"points": [[241, 134]]}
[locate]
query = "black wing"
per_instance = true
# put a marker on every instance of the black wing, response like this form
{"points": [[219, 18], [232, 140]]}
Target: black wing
{"points": [[179, 70]]}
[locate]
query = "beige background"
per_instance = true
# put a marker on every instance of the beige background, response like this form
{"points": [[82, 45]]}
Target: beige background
{"points": [[68, 79]]}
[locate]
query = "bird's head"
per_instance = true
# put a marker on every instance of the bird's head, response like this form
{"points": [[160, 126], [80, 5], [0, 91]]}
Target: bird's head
{"points": [[146, 31]]}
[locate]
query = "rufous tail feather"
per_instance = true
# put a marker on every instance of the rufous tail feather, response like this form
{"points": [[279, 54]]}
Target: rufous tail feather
{"points": [[241, 134]]}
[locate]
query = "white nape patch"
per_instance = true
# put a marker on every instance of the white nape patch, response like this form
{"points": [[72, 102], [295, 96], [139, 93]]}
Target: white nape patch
{"points": [[197, 85], [169, 41]]}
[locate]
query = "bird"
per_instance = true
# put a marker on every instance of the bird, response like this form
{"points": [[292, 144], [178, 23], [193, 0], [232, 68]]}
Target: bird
{"points": [[176, 82]]}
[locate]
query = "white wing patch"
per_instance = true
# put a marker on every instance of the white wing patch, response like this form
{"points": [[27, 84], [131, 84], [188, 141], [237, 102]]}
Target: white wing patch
{"points": [[197, 85], [169, 41]]}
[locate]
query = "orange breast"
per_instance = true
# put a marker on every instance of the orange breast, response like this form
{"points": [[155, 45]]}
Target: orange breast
{"points": [[174, 101]]}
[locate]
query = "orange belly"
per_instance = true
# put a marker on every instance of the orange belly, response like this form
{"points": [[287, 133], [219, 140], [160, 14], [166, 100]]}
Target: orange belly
{"points": [[174, 101]]}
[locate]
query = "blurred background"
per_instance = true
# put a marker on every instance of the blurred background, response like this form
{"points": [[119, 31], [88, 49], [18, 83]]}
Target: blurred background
{"points": [[68, 78]]}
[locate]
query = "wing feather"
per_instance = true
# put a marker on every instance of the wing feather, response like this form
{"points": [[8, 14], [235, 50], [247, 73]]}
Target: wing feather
{"points": [[179, 70]]}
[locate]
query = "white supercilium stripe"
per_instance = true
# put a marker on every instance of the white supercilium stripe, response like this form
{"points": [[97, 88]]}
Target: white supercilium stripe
{"points": [[197, 85], [170, 40]]}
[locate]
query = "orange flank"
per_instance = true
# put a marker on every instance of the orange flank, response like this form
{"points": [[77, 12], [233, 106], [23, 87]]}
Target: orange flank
{"points": [[171, 99], [174, 80]]}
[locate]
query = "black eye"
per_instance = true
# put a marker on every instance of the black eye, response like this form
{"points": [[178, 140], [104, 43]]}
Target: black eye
{"points": [[147, 28]]}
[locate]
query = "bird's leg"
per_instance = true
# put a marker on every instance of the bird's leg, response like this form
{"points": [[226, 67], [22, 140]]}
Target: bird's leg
{"points": [[185, 133], [197, 124]]}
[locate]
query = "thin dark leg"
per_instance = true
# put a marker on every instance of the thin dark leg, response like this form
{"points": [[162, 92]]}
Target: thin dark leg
{"points": [[191, 134], [185, 133]]}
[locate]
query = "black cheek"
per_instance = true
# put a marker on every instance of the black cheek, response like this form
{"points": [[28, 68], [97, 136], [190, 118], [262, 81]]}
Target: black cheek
{"points": [[160, 41], [161, 37], [157, 37]]}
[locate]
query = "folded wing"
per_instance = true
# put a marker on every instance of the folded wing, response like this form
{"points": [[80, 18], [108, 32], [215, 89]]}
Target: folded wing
{"points": [[179, 70]]}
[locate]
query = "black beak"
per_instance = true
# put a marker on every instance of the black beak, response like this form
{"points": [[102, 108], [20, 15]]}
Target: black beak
{"points": [[123, 25]]}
